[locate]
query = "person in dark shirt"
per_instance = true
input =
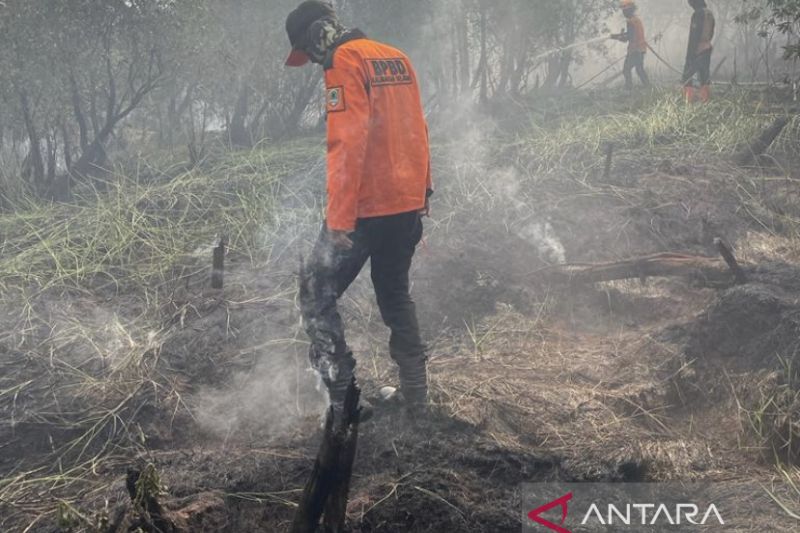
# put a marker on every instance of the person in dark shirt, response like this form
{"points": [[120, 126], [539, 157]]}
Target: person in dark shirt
{"points": [[698, 53]]}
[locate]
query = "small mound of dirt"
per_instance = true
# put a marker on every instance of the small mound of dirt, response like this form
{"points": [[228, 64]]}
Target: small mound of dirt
{"points": [[752, 322], [742, 354]]}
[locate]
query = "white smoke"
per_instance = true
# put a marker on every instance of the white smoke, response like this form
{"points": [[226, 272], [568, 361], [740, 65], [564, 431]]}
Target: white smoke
{"points": [[522, 221]]}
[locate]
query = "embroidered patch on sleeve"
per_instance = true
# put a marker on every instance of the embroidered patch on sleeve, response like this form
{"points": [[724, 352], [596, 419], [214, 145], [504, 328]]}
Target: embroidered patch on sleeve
{"points": [[334, 100]]}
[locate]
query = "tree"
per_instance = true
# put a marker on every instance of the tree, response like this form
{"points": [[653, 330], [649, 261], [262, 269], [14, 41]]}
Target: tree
{"points": [[782, 16], [77, 69], [73, 71]]}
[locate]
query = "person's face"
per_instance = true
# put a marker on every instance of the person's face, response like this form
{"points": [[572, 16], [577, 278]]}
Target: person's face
{"points": [[309, 45]]}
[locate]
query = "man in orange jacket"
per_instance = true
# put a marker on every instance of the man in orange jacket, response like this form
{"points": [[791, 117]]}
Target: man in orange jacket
{"points": [[378, 184], [637, 45]]}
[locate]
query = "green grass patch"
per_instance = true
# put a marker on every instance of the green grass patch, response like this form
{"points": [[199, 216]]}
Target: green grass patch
{"points": [[660, 123], [139, 225]]}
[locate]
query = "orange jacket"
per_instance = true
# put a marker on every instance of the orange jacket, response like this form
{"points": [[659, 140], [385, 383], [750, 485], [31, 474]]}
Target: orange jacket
{"points": [[378, 155], [637, 41]]}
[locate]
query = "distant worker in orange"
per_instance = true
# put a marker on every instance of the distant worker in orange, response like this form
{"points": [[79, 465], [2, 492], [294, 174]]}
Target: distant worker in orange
{"points": [[634, 35], [378, 184], [698, 54]]}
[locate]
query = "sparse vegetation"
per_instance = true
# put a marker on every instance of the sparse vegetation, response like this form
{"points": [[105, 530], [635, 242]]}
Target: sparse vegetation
{"points": [[95, 291], [774, 417], [135, 135]]}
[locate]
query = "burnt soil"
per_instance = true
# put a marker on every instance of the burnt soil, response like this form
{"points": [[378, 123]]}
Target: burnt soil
{"points": [[640, 380]]}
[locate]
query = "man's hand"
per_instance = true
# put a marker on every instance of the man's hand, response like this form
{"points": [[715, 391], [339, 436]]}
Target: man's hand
{"points": [[426, 211], [622, 36], [340, 239]]}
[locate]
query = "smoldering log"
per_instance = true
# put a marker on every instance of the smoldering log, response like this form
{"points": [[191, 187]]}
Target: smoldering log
{"points": [[758, 147], [318, 486], [336, 506], [707, 270], [329, 484]]}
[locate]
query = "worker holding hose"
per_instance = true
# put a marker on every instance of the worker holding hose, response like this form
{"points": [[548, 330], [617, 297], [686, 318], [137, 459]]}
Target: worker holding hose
{"points": [[378, 184], [698, 54], [634, 35]]}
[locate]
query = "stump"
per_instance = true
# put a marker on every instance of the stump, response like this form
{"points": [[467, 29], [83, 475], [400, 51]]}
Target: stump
{"points": [[328, 487], [218, 264]]}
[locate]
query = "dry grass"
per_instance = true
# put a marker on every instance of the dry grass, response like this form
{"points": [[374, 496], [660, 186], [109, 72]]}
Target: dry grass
{"points": [[771, 417], [787, 493], [83, 286], [134, 230]]}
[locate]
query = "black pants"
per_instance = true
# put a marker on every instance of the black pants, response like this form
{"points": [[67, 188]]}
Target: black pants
{"points": [[635, 60], [700, 65], [389, 244]]}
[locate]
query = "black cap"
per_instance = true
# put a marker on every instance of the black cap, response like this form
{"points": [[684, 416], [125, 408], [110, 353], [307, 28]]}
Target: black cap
{"points": [[299, 20]]}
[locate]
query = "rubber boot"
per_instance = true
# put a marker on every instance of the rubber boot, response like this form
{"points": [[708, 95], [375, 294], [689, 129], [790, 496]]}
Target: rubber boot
{"points": [[705, 94], [688, 94], [414, 386]]}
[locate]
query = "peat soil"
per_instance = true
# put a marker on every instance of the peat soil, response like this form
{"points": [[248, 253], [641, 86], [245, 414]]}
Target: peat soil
{"points": [[640, 380]]}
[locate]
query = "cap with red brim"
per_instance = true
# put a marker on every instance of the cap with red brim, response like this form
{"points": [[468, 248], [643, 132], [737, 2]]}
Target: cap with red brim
{"points": [[297, 58]]}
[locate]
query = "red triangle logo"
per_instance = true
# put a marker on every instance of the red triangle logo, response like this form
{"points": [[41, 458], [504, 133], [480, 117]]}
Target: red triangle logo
{"points": [[562, 502]]}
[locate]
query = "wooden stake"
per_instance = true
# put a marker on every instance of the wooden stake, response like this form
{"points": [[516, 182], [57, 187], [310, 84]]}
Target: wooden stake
{"points": [[218, 264], [609, 161], [727, 254]]}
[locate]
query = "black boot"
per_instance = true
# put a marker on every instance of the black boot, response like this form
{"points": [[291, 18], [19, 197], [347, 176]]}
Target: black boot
{"points": [[414, 385]]}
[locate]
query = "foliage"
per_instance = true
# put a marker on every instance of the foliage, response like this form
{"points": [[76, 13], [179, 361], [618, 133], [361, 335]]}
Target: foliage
{"points": [[74, 70], [780, 15], [177, 71]]}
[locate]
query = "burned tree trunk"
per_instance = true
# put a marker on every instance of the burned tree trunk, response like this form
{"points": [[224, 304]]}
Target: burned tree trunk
{"points": [[118, 106], [706, 270], [758, 147], [34, 158], [237, 131], [462, 40], [336, 507], [327, 488]]}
